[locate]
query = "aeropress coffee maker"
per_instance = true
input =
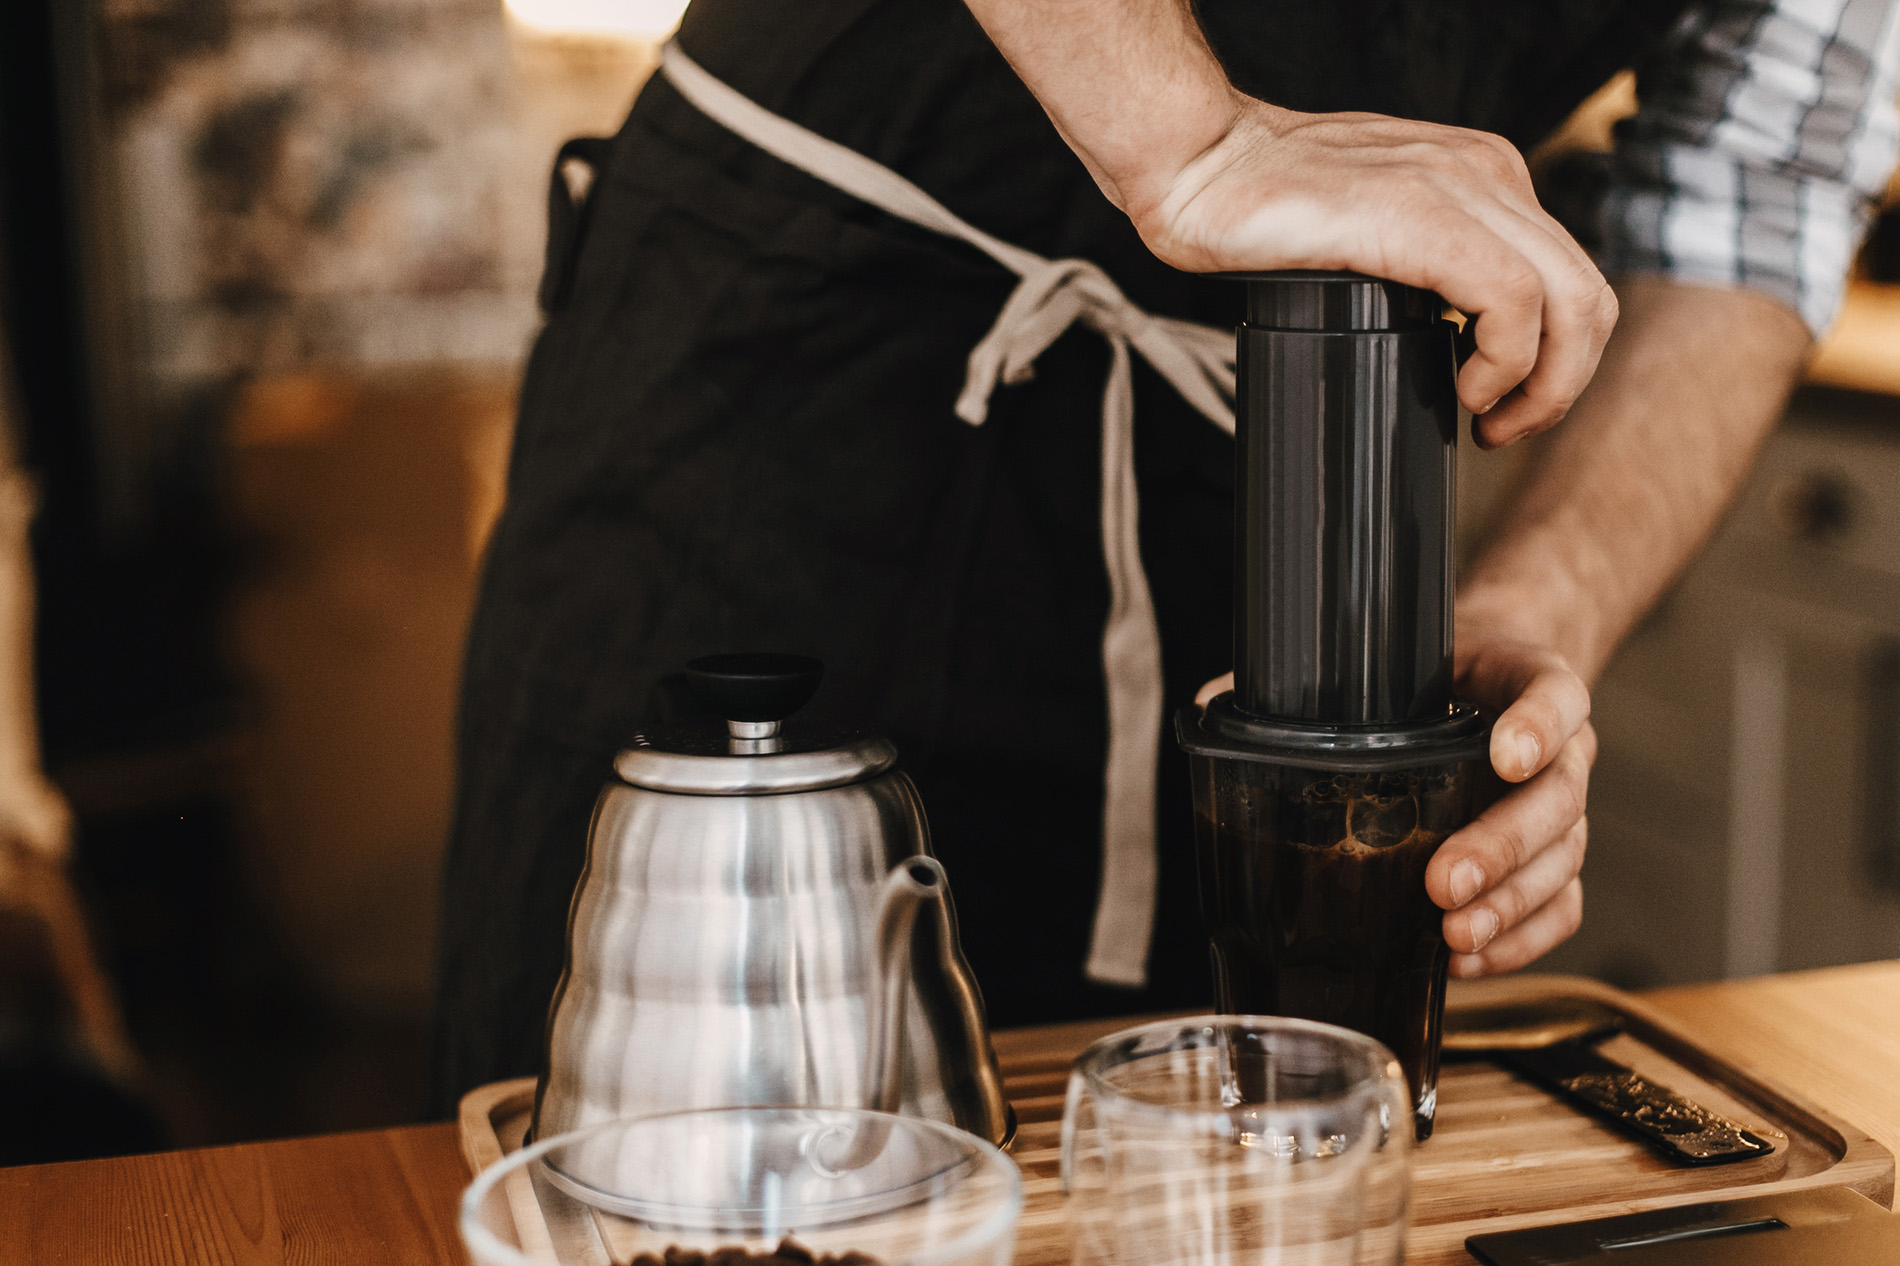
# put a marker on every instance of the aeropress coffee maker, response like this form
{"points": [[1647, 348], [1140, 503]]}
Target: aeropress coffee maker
{"points": [[1329, 775]]}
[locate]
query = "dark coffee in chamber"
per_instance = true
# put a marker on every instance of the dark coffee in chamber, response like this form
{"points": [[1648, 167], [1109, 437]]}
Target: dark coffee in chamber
{"points": [[1313, 888]]}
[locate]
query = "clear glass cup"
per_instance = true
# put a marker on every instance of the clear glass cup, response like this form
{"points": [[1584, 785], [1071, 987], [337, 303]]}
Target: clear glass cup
{"points": [[838, 1182], [1223, 1140]]}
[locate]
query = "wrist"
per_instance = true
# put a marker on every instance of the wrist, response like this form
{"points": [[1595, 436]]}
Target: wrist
{"points": [[1173, 200], [1549, 605], [1145, 166]]}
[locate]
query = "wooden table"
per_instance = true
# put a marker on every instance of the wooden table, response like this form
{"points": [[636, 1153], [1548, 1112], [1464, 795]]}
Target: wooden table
{"points": [[388, 1196]]}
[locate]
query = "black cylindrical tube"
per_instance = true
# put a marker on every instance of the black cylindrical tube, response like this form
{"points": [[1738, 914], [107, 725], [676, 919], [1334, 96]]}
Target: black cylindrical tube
{"points": [[1347, 424]]}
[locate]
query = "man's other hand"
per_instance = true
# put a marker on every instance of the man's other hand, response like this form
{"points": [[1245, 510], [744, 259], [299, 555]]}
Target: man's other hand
{"points": [[1509, 880]]}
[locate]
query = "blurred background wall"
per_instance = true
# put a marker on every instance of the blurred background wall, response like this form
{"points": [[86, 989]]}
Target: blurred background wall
{"points": [[272, 272], [269, 271]]}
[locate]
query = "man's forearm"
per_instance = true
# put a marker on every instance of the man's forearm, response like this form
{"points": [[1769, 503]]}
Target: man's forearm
{"points": [[1612, 504], [1131, 84]]}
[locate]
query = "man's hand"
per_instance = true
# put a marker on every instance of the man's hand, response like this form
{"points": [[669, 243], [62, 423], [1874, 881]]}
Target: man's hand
{"points": [[1444, 208], [1216, 181], [1509, 879]]}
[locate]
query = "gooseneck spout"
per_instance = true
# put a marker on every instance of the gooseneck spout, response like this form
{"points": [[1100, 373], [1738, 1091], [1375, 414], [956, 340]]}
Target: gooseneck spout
{"points": [[912, 882]]}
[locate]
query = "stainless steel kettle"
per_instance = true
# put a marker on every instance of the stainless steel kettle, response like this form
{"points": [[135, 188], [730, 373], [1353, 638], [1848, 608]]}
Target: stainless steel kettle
{"points": [[760, 922]]}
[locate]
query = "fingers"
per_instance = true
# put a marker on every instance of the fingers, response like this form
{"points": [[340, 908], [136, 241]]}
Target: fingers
{"points": [[1482, 274], [1545, 323], [1478, 924], [1490, 250], [1507, 836], [1509, 879], [1219, 686], [1542, 932], [1579, 312], [1578, 309], [1531, 364]]}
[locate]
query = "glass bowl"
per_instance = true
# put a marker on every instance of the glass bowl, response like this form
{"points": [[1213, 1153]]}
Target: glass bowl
{"points": [[837, 1183]]}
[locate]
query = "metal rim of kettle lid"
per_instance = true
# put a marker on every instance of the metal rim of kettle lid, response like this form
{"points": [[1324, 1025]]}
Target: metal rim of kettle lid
{"points": [[643, 764]]}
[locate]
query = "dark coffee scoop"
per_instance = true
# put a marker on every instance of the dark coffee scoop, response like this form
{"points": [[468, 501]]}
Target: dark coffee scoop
{"points": [[1554, 1043]]}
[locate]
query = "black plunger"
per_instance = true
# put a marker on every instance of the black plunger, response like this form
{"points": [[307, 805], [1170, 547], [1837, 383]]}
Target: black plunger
{"points": [[1348, 427]]}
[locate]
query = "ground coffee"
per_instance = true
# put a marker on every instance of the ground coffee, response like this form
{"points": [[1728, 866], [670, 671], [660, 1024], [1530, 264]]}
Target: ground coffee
{"points": [[788, 1253]]}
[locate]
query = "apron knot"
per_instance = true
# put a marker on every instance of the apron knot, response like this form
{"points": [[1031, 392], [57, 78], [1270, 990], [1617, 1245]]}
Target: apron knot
{"points": [[1052, 296]]}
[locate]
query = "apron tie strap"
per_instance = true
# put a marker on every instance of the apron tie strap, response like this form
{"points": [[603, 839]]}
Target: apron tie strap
{"points": [[1053, 295]]}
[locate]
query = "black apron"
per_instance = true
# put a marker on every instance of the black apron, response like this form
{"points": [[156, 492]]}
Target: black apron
{"points": [[736, 433]]}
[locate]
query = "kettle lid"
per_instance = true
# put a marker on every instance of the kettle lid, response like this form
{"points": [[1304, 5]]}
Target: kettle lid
{"points": [[754, 751]]}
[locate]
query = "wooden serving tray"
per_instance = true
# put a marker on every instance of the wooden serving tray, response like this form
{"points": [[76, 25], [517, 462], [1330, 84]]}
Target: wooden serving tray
{"points": [[1506, 1153]]}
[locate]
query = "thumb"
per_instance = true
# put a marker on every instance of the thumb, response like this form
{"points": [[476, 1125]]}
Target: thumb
{"points": [[1219, 686]]}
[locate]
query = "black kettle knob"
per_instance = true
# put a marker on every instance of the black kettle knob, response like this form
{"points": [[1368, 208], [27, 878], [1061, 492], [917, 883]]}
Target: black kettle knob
{"points": [[756, 687]]}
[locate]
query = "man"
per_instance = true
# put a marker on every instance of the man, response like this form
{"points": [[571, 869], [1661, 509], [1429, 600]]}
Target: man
{"points": [[738, 430]]}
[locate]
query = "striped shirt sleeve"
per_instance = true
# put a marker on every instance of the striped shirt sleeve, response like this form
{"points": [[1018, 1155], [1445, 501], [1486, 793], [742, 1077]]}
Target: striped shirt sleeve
{"points": [[1765, 136]]}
